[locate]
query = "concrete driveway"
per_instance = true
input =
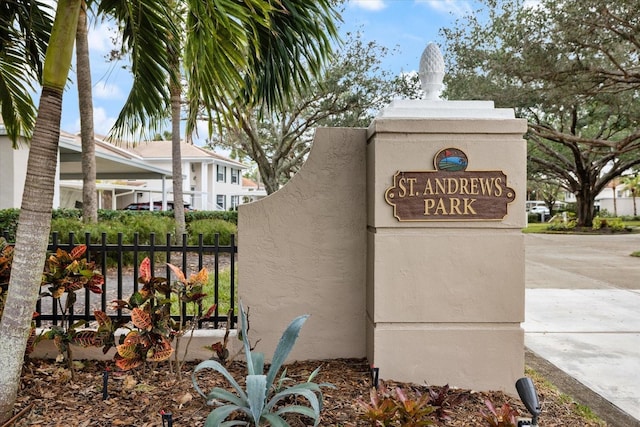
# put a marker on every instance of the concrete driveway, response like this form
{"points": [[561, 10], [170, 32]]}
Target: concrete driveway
{"points": [[583, 311]]}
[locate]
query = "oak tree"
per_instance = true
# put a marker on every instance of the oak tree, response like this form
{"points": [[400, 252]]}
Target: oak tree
{"points": [[571, 68]]}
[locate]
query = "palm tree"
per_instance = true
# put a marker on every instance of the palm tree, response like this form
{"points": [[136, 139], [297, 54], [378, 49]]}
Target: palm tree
{"points": [[87, 137], [233, 50], [34, 223], [175, 88], [288, 43], [632, 183]]}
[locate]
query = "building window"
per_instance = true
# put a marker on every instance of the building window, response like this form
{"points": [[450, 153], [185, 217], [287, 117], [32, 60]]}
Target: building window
{"points": [[221, 202], [235, 176], [235, 201], [222, 173]]}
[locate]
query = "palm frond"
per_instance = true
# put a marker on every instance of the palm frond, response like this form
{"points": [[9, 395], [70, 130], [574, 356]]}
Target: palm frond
{"points": [[253, 52], [216, 53], [25, 27], [149, 29], [291, 51]]}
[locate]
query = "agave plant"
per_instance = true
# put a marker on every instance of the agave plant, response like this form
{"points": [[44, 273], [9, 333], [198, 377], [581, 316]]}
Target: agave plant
{"points": [[264, 400]]}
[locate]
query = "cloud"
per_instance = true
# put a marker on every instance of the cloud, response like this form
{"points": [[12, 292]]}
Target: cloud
{"points": [[104, 90], [454, 7], [372, 5], [102, 123], [101, 38]]}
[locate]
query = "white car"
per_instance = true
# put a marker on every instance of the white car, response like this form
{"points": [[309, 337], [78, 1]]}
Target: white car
{"points": [[540, 210]]}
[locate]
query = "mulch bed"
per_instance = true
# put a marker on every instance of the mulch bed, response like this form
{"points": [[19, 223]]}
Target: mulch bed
{"points": [[49, 397]]}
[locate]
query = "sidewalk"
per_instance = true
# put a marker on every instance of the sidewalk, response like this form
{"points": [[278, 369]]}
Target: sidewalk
{"points": [[582, 312]]}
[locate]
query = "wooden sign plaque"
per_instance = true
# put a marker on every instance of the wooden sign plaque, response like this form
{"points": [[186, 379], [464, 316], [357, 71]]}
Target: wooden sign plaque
{"points": [[449, 193]]}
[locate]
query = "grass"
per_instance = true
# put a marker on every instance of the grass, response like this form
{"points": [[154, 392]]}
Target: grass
{"points": [[549, 388], [224, 292], [543, 227], [536, 228]]}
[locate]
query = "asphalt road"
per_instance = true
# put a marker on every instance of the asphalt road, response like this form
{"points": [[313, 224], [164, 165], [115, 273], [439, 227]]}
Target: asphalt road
{"points": [[570, 261]]}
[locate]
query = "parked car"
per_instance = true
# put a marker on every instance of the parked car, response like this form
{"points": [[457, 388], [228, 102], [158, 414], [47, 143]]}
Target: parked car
{"points": [[157, 206], [540, 210]]}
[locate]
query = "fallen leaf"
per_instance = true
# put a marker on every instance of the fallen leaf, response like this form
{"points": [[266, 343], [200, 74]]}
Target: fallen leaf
{"points": [[129, 382], [185, 398]]}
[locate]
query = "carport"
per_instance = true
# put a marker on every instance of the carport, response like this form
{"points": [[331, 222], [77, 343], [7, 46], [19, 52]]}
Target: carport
{"points": [[112, 163]]}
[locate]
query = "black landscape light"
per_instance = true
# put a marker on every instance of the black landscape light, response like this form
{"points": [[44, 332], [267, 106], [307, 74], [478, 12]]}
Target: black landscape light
{"points": [[528, 395], [105, 384], [167, 418]]}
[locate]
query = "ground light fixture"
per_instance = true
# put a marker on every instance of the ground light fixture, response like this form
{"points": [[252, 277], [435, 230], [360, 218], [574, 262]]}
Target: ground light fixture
{"points": [[529, 396]]}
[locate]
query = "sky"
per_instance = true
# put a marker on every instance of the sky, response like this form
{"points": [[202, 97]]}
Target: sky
{"points": [[404, 25]]}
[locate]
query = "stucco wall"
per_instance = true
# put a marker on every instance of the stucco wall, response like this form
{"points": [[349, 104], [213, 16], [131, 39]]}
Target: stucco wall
{"points": [[445, 298], [622, 206], [13, 170], [302, 251]]}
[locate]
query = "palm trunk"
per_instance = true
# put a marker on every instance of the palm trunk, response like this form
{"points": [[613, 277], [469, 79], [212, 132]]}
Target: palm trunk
{"points": [[34, 223], [85, 99], [176, 161], [175, 89]]}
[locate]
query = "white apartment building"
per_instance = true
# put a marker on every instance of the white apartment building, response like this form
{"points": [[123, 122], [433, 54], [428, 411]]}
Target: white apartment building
{"points": [[130, 175]]}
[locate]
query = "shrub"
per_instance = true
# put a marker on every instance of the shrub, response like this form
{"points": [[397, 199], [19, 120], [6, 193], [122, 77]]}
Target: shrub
{"points": [[65, 273], [504, 416], [140, 223], [397, 408], [209, 228], [229, 216], [66, 213], [614, 224], [604, 213], [149, 339], [113, 222], [147, 224], [63, 226], [533, 218], [9, 223], [558, 224]]}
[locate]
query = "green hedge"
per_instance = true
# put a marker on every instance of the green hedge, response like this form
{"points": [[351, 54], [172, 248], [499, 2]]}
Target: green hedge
{"points": [[9, 222], [112, 221], [209, 228]]}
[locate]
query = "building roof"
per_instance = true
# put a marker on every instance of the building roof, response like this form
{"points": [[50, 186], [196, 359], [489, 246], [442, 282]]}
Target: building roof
{"points": [[161, 150], [111, 162], [249, 183]]}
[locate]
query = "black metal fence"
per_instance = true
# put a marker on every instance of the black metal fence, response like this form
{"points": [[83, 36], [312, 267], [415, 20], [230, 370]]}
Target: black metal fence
{"points": [[121, 278]]}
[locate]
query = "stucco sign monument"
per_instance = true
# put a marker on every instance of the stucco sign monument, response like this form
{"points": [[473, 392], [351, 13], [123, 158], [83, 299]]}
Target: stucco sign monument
{"points": [[445, 265], [450, 192], [412, 228]]}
